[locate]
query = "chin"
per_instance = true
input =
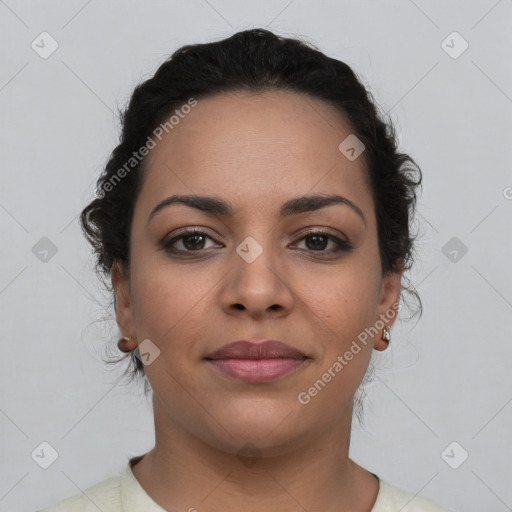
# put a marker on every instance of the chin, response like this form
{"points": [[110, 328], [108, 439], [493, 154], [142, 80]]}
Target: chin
{"points": [[256, 432]]}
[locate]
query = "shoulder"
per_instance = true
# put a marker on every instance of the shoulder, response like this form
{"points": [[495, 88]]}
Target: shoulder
{"points": [[104, 496], [393, 499]]}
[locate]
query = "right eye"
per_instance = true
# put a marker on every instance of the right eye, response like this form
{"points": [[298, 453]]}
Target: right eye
{"points": [[192, 240]]}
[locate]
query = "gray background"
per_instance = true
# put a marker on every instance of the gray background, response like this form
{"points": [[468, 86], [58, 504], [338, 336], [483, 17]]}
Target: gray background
{"points": [[445, 379]]}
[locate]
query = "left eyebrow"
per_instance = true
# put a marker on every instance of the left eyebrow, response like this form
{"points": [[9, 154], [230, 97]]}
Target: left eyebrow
{"points": [[216, 206]]}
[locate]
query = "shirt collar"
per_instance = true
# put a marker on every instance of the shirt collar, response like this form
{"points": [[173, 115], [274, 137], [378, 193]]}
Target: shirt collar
{"points": [[133, 497]]}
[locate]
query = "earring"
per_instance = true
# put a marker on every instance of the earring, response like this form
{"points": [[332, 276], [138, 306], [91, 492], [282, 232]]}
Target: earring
{"points": [[386, 335], [124, 346]]}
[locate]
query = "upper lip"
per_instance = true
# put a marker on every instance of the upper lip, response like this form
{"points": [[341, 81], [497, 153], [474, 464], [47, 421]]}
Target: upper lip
{"points": [[267, 349]]}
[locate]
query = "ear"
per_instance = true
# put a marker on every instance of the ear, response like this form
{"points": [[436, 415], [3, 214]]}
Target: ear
{"points": [[387, 311], [124, 311]]}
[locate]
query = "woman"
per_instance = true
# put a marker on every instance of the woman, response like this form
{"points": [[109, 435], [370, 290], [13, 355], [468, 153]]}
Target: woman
{"points": [[254, 221]]}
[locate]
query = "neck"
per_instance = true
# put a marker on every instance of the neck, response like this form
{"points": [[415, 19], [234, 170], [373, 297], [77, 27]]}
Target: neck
{"points": [[183, 472]]}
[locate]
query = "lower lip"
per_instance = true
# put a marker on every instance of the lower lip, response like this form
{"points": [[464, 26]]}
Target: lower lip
{"points": [[257, 370]]}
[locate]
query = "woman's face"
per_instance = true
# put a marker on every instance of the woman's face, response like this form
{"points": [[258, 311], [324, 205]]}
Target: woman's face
{"points": [[254, 273]]}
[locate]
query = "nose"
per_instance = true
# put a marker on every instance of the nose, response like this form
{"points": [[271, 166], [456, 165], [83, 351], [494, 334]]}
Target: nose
{"points": [[257, 288]]}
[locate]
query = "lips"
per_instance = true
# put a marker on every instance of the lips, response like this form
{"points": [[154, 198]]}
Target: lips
{"points": [[269, 349], [256, 361]]}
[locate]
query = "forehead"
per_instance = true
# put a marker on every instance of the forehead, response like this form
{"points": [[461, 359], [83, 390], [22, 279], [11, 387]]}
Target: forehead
{"points": [[256, 147]]}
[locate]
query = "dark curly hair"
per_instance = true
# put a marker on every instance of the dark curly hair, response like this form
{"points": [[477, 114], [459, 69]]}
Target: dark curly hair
{"points": [[252, 60]]}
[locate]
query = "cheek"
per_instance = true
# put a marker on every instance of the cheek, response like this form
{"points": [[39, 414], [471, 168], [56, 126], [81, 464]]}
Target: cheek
{"points": [[344, 301], [341, 308], [167, 301]]}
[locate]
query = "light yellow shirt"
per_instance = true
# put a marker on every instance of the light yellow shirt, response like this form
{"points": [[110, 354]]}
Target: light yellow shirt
{"points": [[125, 494]]}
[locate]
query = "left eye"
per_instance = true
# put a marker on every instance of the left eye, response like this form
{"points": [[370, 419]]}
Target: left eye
{"points": [[319, 240]]}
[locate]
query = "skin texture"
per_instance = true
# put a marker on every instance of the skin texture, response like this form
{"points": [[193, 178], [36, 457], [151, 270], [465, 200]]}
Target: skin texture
{"points": [[255, 151]]}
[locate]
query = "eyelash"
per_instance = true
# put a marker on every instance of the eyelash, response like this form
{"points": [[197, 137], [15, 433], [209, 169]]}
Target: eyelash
{"points": [[342, 245]]}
